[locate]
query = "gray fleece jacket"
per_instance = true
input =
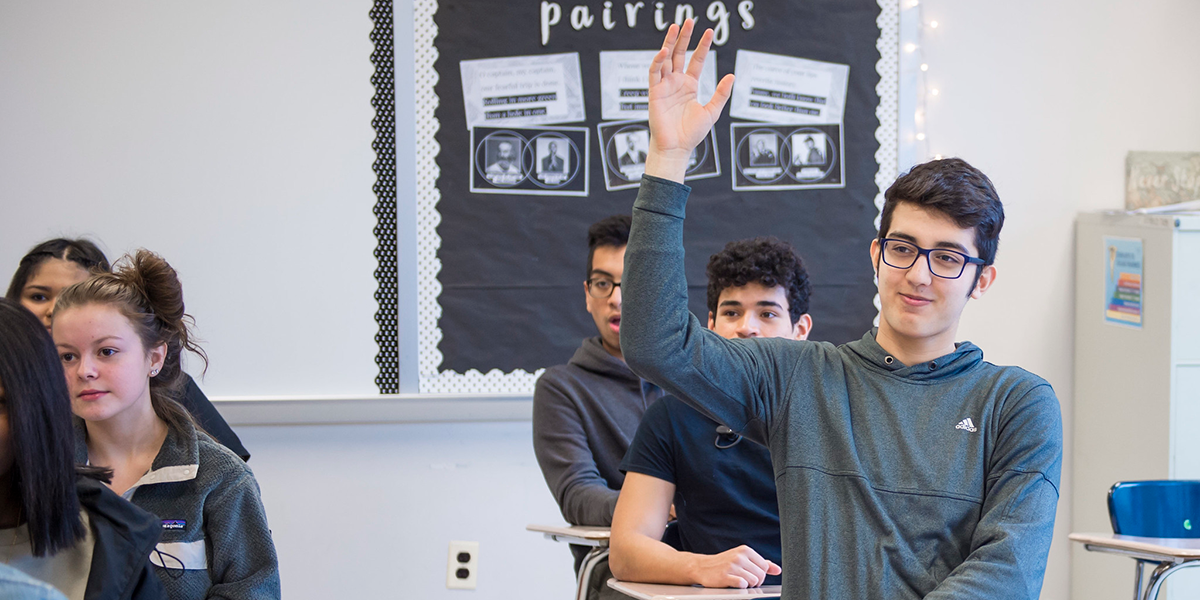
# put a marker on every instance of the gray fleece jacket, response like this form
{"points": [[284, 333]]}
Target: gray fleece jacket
{"points": [[584, 415], [937, 480], [215, 539]]}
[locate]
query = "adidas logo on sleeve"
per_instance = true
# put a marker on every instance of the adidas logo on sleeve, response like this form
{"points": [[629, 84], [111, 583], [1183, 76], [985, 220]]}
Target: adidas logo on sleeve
{"points": [[966, 425]]}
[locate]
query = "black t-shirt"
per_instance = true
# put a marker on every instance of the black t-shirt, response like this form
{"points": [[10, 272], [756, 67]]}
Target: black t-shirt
{"points": [[724, 497]]}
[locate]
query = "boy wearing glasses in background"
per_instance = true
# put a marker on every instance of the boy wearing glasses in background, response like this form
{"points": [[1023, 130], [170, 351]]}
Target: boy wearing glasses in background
{"points": [[907, 466], [722, 486], [586, 411]]}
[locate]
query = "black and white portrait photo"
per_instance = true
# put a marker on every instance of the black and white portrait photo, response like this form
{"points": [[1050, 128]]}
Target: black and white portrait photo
{"points": [[632, 146], [808, 148], [551, 155], [503, 159], [763, 151], [624, 145], [552, 159]]}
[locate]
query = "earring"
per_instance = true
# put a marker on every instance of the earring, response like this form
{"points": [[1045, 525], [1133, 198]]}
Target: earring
{"points": [[154, 372]]}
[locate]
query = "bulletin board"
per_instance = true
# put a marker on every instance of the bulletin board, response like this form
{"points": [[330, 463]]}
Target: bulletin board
{"points": [[531, 125]]}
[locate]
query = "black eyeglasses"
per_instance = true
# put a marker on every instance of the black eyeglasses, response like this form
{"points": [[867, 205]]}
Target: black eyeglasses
{"points": [[947, 264], [601, 288], [726, 438]]}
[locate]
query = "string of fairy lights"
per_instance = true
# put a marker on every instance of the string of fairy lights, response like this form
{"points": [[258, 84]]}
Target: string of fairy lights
{"points": [[915, 30]]}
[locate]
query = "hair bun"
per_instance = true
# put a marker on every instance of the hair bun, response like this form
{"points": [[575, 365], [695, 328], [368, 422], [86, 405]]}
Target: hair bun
{"points": [[157, 282]]}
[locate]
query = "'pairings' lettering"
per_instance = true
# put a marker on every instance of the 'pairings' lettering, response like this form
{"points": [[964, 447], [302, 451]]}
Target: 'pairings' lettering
{"points": [[581, 17]]}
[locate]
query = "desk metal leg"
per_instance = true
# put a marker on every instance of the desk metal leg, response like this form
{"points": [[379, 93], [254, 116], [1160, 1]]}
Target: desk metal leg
{"points": [[1137, 578], [593, 558], [1161, 573]]}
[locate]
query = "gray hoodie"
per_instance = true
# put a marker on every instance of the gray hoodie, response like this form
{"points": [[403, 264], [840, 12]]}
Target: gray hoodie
{"points": [[584, 415], [937, 480]]}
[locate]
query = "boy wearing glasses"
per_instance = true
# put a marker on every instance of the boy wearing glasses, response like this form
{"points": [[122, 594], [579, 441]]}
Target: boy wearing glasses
{"points": [[586, 411], [722, 486], [907, 466]]}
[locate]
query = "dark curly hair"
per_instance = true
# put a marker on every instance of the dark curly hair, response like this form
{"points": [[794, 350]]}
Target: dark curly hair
{"points": [[765, 260], [609, 231], [954, 188]]}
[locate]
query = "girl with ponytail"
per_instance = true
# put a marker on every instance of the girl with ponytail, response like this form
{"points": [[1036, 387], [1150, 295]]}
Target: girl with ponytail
{"points": [[121, 337]]}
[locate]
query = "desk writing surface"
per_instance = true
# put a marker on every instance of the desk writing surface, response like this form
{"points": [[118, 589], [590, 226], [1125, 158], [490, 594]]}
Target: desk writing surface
{"points": [[1183, 548], [656, 591], [595, 534]]}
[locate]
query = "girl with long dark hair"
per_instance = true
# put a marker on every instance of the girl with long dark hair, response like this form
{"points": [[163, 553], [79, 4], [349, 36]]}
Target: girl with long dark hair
{"points": [[58, 522]]}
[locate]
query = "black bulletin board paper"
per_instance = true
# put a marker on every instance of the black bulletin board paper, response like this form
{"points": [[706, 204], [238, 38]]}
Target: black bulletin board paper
{"points": [[512, 266]]}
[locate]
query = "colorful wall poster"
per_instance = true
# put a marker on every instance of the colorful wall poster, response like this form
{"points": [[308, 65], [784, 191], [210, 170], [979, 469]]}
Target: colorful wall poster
{"points": [[1123, 299]]}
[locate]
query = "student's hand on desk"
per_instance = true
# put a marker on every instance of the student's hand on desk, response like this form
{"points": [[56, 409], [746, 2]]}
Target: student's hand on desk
{"points": [[739, 567], [678, 122]]}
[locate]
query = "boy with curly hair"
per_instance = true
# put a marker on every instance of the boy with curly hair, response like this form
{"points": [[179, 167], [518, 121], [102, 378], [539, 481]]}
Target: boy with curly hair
{"points": [[722, 487]]}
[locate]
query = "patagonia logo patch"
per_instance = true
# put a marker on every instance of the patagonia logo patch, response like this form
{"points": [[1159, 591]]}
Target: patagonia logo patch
{"points": [[174, 523]]}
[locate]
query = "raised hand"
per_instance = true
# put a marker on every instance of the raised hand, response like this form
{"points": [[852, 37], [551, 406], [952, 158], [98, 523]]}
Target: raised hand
{"points": [[678, 122], [739, 567]]}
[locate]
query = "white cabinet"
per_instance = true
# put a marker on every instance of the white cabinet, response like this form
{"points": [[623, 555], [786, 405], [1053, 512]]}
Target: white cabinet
{"points": [[1137, 389]]}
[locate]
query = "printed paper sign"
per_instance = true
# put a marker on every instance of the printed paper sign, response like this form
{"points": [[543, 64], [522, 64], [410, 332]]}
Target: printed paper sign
{"points": [[531, 161], [1123, 298], [522, 90], [785, 89], [624, 83], [623, 148], [778, 156]]}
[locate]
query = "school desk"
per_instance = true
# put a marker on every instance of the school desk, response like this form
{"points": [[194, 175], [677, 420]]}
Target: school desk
{"points": [[656, 591], [1169, 554]]}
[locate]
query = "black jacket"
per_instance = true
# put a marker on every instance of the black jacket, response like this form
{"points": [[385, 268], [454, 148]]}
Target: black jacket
{"points": [[125, 535], [209, 419]]}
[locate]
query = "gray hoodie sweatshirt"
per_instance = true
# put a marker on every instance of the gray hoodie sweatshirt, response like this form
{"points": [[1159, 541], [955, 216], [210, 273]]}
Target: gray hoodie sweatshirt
{"points": [[584, 415], [937, 480]]}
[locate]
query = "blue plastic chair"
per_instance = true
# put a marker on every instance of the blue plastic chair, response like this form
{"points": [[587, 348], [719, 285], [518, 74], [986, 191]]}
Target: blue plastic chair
{"points": [[1155, 509]]}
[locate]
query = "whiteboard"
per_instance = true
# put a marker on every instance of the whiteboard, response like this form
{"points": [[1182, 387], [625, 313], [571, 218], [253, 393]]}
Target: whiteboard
{"points": [[232, 138]]}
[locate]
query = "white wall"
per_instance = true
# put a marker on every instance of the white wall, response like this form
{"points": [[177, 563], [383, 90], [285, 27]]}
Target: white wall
{"points": [[367, 511], [233, 138], [1047, 98]]}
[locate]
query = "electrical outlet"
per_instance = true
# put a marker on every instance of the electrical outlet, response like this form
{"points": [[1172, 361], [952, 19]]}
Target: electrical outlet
{"points": [[462, 565]]}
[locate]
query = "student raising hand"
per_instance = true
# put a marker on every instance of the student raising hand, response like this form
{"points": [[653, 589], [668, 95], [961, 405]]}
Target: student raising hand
{"points": [[678, 122]]}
